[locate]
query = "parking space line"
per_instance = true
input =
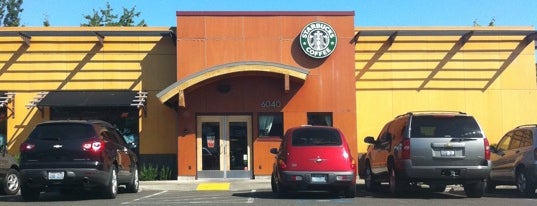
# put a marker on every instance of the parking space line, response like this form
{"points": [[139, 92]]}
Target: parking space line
{"points": [[251, 198], [213, 186], [145, 197]]}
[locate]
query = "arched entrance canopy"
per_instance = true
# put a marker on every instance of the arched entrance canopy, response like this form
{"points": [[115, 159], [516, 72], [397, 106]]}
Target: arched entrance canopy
{"points": [[180, 86]]}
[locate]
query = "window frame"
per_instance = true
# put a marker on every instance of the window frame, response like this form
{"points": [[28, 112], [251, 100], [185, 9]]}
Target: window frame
{"points": [[275, 115], [319, 114]]}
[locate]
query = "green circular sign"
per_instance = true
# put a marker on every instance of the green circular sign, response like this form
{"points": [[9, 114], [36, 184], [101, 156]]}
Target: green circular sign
{"points": [[318, 40]]}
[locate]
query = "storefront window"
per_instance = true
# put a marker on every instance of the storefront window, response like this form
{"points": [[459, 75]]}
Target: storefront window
{"points": [[3, 125], [124, 118], [320, 118], [270, 124]]}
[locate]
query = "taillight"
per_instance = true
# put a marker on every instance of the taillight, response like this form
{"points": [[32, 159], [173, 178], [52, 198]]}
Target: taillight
{"points": [[353, 164], [487, 148], [93, 146], [282, 164], [26, 147], [405, 154]]}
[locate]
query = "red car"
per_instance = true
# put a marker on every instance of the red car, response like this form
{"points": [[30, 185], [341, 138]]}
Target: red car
{"points": [[314, 158]]}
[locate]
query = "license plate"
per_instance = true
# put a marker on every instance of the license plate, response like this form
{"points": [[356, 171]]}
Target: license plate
{"points": [[55, 175], [447, 153], [451, 172], [318, 179]]}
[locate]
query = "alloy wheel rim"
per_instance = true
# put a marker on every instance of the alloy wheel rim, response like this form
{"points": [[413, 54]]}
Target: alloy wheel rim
{"points": [[114, 182], [392, 181], [521, 183], [12, 182]]}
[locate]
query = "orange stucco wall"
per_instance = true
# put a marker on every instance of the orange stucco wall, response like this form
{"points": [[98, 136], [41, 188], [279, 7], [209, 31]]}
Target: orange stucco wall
{"points": [[207, 40]]}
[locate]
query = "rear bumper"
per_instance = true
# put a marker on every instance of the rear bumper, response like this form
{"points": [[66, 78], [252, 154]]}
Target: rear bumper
{"points": [[304, 180], [446, 174], [73, 178]]}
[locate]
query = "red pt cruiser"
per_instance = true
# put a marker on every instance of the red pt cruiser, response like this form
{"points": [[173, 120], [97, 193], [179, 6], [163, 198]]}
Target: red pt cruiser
{"points": [[314, 158]]}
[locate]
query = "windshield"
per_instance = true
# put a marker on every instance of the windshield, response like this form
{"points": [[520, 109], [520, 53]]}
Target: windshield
{"points": [[445, 126], [63, 131], [316, 137]]}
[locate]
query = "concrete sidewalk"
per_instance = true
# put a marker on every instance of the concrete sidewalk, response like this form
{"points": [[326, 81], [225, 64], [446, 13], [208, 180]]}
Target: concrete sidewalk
{"points": [[260, 183]]}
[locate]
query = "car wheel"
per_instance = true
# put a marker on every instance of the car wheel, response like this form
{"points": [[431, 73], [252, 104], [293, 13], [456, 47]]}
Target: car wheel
{"points": [[350, 192], [11, 184], [110, 190], [273, 185], [397, 185], [523, 184], [474, 190], [277, 189], [370, 183], [490, 187], [134, 184], [437, 187], [29, 194]]}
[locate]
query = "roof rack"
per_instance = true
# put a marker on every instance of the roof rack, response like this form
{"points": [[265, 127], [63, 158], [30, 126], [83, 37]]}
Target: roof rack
{"points": [[526, 125], [433, 111]]}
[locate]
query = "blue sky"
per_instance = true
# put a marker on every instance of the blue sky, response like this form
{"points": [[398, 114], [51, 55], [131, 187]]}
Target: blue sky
{"points": [[368, 12]]}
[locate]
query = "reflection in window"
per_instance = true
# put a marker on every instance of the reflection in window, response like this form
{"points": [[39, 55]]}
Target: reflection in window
{"points": [[270, 124], [320, 118], [124, 118], [3, 125]]}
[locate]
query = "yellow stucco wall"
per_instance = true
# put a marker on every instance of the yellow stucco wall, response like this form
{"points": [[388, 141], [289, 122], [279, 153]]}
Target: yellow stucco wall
{"points": [[393, 80], [52, 63]]}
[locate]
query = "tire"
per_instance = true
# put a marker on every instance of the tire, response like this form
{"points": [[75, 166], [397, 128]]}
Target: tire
{"points": [[475, 190], [134, 184], [110, 190], [490, 187], [523, 184], [273, 185], [350, 192], [29, 194], [397, 185], [11, 184], [370, 184], [277, 189]]}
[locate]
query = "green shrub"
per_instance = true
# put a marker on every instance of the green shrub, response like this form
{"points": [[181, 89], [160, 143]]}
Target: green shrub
{"points": [[165, 173], [148, 172]]}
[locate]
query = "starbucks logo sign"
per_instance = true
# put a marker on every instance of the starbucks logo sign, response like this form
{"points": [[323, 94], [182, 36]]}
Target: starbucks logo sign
{"points": [[318, 40]]}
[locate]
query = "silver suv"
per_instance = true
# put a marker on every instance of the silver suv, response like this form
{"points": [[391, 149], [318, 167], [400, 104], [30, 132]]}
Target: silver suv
{"points": [[434, 148], [514, 160]]}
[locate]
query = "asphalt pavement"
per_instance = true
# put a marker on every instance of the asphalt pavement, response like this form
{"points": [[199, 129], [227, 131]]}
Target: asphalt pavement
{"points": [[211, 184]]}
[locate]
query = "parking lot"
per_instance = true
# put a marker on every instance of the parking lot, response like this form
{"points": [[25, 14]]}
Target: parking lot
{"points": [[245, 192]]}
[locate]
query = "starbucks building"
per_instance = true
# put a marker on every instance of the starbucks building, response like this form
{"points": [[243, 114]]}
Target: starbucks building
{"points": [[210, 96], [244, 77]]}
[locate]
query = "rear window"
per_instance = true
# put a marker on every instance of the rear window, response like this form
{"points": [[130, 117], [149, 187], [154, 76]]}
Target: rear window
{"points": [[316, 137], [445, 126], [64, 131]]}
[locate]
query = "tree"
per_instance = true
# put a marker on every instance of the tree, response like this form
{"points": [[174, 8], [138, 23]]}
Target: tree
{"points": [[46, 22], [10, 12], [106, 17]]}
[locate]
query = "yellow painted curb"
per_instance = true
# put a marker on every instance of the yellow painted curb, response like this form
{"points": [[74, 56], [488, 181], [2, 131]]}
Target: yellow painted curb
{"points": [[213, 186]]}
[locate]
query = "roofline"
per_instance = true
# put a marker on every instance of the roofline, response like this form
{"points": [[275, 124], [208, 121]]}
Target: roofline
{"points": [[86, 31], [264, 13], [445, 31]]}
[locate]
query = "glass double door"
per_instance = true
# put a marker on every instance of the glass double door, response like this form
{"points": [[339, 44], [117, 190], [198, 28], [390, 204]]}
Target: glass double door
{"points": [[224, 146]]}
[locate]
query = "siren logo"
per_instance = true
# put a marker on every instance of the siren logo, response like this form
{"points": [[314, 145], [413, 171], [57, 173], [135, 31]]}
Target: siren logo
{"points": [[318, 40]]}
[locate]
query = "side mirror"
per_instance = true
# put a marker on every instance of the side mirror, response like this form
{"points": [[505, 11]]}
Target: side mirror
{"points": [[3, 149], [493, 149], [369, 140], [274, 150]]}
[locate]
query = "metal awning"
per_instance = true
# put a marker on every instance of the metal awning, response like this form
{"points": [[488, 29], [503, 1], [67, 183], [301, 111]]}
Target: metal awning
{"points": [[88, 99]]}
